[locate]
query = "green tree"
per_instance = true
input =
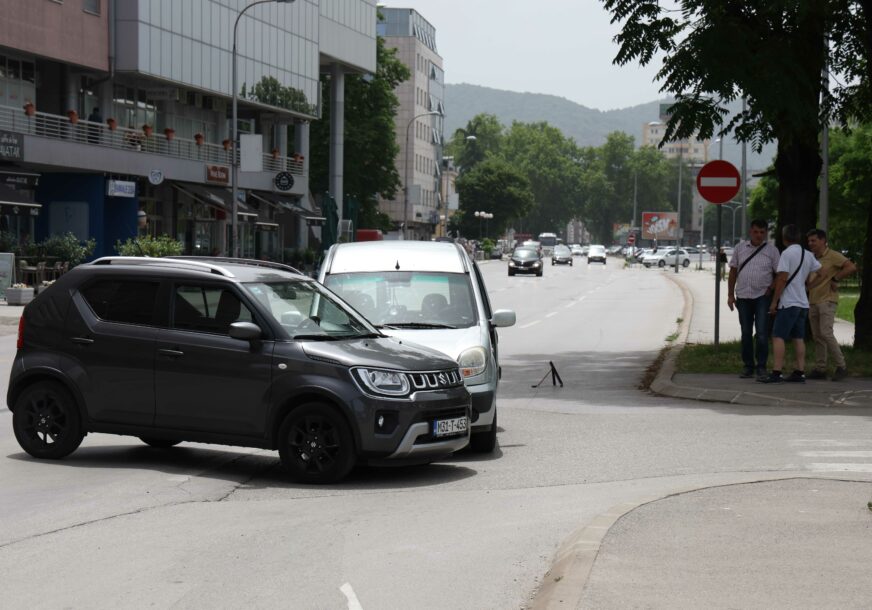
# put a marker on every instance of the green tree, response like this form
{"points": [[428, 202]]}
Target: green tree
{"points": [[270, 91], [494, 186], [470, 145], [652, 174], [370, 137]]}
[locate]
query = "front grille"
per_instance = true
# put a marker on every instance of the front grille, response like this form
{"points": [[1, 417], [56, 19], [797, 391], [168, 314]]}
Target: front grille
{"points": [[436, 380]]}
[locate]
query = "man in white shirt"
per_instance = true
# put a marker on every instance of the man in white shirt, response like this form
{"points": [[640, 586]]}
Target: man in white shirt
{"points": [[796, 269]]}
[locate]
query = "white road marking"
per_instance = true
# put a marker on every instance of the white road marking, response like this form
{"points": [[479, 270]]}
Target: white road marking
{"points": [[533, 323], [837, 454], [348, 592], [824, 467], [718, 181], [551, 315], [826, 442]]}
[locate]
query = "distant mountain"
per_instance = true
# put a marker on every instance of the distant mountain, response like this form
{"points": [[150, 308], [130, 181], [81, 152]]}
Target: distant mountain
{"points": [[587, 126]]}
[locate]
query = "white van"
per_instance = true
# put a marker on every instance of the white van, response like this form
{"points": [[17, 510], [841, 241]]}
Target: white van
{"points": [[433, 294]]}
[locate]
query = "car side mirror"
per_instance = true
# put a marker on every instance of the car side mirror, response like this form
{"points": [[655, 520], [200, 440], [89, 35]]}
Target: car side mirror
{"points": [[245, 331], [503, 318]]}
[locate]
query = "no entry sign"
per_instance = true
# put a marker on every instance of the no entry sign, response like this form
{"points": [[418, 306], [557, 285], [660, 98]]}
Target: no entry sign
{"points": [[631, 240], [718, 181]]}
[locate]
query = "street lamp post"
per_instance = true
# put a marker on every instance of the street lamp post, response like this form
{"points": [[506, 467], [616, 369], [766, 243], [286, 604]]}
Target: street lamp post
{"points": [[406, 182], [234, 222]]}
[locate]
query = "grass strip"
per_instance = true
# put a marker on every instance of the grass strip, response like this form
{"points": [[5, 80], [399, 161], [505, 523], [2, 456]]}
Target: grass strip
{"points": [[847, 303]]}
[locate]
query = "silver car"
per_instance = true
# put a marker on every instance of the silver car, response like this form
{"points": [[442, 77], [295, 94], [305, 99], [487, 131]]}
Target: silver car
{"points": [[433, 294]]}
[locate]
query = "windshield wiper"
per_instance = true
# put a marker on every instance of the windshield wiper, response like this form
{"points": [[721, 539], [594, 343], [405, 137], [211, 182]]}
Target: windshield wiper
{"points": [[318, 337], [415, 325]]}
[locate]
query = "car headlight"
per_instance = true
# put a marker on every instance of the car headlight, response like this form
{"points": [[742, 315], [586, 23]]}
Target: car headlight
{"points": [[536, 264], [511, 263], [383, 383], [472, 362]]}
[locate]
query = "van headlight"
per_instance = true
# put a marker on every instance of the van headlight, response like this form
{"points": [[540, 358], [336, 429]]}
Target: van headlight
{"points": [[383, 383], [473, 362]]}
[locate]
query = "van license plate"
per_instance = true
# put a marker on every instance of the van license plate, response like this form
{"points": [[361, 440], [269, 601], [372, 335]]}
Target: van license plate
{"points": [[450, 427]]}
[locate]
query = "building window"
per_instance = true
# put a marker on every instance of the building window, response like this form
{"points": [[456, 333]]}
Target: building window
{"points": [[91, 6]]}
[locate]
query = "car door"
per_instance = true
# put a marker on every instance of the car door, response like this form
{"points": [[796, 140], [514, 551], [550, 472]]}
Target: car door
{"points": [[206, 380], [109, 334]]}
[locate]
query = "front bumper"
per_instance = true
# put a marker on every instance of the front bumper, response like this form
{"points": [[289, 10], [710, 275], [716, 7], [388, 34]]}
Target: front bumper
{"points": [[531, 269], [483, 406]]}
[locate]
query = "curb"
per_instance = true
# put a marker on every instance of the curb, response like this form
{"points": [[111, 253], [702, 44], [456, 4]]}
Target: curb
{"points": [[664, 386], [564, 583]]}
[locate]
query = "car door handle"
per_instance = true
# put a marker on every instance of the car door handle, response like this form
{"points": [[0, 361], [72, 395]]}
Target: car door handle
{"points": [[172, 353], [82, 340]]}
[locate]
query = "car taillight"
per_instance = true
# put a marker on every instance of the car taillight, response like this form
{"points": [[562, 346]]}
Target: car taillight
{"points": [[20, 342]]}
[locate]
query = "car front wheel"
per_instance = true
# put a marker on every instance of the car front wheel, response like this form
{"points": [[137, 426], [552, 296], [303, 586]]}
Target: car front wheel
{"points": [[685, 263], [662, 263], [47, 422], [315, 444]]}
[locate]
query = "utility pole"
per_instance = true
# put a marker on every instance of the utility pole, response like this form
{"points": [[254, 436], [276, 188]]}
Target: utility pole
{"points": [[635, 207], [678, 235]]}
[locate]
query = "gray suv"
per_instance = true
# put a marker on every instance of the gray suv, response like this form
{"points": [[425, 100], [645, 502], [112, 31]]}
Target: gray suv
{"points": [[232, 352]]}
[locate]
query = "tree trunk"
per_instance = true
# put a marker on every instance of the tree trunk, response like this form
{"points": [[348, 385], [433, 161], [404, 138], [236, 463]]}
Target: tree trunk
{"points": [[797, 166], [863, 311]]}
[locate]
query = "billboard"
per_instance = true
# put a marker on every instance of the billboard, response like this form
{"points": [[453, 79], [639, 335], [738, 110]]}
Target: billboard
{"points": [[660, 225]]}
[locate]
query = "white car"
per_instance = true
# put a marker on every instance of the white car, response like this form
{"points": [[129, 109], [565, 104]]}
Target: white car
{"points": [[596, 253], [665, 256]]}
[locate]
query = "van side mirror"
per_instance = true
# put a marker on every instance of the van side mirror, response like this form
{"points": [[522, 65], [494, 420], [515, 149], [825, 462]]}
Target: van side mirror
{"points": [[503, 318], [245, 331]]}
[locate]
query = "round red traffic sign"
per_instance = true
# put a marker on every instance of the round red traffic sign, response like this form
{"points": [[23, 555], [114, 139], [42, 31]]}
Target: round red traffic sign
{"points": [[718, 181], [631, 240]]}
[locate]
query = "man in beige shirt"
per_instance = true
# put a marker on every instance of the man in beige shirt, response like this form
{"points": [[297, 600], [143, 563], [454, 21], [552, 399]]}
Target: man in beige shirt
{"points": [[823, 298]]}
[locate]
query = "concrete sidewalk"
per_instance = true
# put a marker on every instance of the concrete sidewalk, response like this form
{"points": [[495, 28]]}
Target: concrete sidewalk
{"points": [[698, 327]]}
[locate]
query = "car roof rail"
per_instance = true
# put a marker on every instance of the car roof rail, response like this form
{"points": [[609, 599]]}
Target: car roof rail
{"points": [[240, 261], [163, 262]]}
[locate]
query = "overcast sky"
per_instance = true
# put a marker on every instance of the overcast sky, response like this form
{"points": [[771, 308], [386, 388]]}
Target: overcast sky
{"points": [[560, 47]]}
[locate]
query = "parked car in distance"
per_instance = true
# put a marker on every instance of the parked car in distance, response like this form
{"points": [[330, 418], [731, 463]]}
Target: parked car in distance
{"points": [[596, 254], [666, 256], [231, 352], [434, 295], [614, 250], [561, 255], [576, 250], [525, 260]]}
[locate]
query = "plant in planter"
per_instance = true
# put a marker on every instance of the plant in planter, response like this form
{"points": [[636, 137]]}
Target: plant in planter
{"points": [[199, 138], [112, 123], [170, 133], [163, 245], [73, 116], [275, 153], [226, 144], [67, 248], [19, 294], [29, 108], [147, 130], [43, 285]]}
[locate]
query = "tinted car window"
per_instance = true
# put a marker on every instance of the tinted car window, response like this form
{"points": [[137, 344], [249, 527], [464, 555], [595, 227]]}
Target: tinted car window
{"points": [[210, 309], [127, 301], [525, 253]]}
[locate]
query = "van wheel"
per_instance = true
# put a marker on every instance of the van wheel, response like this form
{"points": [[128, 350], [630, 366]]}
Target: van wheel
{"points": [[158, 443], [484, 442], [315, 444], [47, 422]]}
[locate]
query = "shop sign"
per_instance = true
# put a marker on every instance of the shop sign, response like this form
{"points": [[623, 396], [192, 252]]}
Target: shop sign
{"points": [[218, 174], [284, 181], [20, 181], [11, 146], [121, 188], [156, 176]]}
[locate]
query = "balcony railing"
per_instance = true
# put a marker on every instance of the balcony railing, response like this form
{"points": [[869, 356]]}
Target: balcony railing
{"points": [[58, 127]]}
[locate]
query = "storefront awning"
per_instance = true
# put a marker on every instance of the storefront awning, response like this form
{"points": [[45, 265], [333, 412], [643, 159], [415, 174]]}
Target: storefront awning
{"points": [[280, 203], [216, 197]]}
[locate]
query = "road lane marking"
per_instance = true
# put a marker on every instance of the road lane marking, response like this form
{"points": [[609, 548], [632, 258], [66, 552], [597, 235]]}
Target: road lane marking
{"points": [[837, 454], [827, 442], [551, 315], [533, 323], [826, 467], [348, 592]]}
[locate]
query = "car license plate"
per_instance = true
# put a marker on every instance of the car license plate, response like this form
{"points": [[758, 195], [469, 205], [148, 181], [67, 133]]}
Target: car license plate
{"points": [[450, 427]]}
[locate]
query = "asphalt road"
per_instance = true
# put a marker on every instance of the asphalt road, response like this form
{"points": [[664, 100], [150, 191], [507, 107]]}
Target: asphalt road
{"points": [[121, 524]]}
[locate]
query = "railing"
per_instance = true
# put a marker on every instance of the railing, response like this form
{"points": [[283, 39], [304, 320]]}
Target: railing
{"points": [[81, 131]]}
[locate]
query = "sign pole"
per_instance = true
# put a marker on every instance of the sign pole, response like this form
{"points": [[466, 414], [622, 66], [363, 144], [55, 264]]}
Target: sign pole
{"points": [[718, 272]]}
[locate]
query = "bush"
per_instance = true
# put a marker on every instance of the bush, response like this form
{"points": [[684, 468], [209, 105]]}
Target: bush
{"points": [[487, 245], [163, 245], [65, 247]]}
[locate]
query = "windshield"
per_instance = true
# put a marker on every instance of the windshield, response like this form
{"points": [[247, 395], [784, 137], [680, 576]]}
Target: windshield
{"points": [[561, 250], [597, 249], [410, 299], [309, 312], [548, 240], [525, 253]]}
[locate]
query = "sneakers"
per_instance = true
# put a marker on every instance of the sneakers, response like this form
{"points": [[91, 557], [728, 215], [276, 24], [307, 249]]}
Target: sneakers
{"points": [[817, 374], [840, 373], [747, 373], [773, 377], [796, 377]]}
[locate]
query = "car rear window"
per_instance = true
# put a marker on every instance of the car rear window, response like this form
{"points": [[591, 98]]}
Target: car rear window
{"points": [[127, 301]]}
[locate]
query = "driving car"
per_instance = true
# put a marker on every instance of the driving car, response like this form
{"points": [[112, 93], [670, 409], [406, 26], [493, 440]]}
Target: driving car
{"points": [[596, 254], [561, 255], [577, 250], [231, 352], [666, 256], [525, 260], [433, 295]]}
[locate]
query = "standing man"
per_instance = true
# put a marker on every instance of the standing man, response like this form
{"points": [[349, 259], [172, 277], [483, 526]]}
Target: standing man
{"points": [[823, 298], [796, 270], [749, 289]]}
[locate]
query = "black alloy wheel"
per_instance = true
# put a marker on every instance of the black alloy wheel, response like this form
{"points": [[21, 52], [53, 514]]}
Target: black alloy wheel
{"points": [[47, 422], [315, 444], [158, 443]]}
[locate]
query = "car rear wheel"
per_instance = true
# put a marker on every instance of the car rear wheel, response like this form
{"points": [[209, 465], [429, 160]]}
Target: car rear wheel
{"points": [[47, 422], [315, 444], [158, 443], [685, 263], [662, 263], [484, 442]]}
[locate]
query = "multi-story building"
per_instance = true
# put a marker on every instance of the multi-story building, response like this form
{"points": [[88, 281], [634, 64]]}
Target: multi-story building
{"points": [[115, 107], [692, 150], [419, 123], [450, 196]]}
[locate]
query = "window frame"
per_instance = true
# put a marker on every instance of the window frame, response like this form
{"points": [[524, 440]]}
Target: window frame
{"points": [[194, 283]]}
